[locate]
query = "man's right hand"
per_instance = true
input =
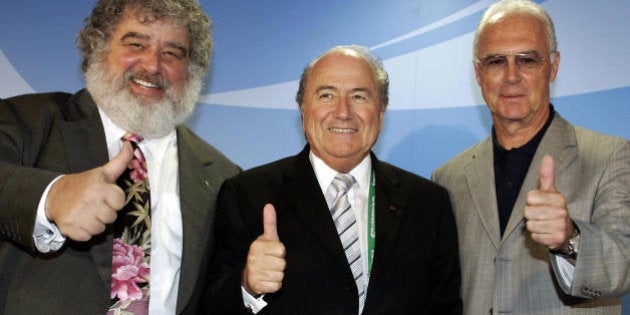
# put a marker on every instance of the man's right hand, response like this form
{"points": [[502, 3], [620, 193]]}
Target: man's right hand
{"points": [[265, 265], [82, 204]]}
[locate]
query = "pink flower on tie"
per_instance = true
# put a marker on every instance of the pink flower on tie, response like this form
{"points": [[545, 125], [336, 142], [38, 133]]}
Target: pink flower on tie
{"points": [[139, 168], [128, 270]]}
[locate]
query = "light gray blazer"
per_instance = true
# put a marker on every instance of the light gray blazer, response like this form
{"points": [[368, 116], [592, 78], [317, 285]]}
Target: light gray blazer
{"points": [[514, 274]]}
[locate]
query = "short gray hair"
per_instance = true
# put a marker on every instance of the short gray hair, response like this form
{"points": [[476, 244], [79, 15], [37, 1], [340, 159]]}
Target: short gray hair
{"points": [[505, 8]]}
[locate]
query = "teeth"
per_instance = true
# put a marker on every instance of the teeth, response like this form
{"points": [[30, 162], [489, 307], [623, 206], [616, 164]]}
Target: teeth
{"points": [[341, 130], [145, 83]]}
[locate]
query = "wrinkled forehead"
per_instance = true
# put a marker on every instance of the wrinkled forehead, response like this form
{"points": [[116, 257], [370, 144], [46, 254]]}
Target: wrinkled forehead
{"points": [[502, 22], [141, 23], [341, 67], [516, 33]]}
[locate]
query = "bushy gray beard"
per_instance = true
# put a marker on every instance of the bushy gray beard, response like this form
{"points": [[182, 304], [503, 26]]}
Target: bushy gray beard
{"points": [[150, 119]]}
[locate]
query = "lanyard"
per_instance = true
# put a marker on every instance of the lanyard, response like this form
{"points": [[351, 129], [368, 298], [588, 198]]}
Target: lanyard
{"points": [[371, 231]]}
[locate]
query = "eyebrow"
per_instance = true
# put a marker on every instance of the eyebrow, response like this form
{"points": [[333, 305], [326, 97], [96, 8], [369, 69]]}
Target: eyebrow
{"points": [[170, 44], [134, 35], [518, 53], [325, 87], [330, 87], [362, 89], [178, 46]]}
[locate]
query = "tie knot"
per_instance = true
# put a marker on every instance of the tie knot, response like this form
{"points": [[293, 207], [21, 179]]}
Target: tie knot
{"points": [[343, 182], [132, 137]]}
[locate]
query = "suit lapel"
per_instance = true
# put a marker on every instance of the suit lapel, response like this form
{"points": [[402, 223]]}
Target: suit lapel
{"points": [[198, 187], [480, 181], [304, 194], [306, 198], [83, 135], [559, 141], [85, 148], [390, 208]]}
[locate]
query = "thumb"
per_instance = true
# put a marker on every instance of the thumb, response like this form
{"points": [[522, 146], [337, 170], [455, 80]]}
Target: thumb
{"points": [[270, 228], [117, 165], [546, 174]]}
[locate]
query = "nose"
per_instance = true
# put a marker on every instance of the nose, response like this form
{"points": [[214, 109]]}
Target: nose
{"points": [[512, 72], [342, 108], [151, 61]]}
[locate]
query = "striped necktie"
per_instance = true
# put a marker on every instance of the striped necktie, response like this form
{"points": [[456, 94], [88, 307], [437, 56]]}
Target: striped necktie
{"points": [[347, 228]]}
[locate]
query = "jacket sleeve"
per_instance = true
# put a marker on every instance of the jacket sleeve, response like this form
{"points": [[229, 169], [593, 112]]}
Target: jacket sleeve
{"points": [[232, 240], [602, 267], [22, 132]]}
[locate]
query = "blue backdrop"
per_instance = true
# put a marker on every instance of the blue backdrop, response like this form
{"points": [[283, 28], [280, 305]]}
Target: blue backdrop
{"points": [[247, 108]]}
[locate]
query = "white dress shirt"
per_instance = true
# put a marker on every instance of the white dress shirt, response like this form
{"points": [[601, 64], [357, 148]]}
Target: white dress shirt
{"points": [[166, 218]]}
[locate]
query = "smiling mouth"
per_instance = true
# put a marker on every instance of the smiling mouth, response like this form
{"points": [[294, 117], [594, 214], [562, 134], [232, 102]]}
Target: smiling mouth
{"points": [[342, 130], [146, 84]]}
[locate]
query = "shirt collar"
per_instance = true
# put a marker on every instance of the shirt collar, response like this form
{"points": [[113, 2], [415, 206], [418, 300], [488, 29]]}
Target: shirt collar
{"points": [[152, 148], [530, 147], [325, 174]]}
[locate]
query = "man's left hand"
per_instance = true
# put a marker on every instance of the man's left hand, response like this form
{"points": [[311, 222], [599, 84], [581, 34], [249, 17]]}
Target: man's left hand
{"points": [[546, 212]]}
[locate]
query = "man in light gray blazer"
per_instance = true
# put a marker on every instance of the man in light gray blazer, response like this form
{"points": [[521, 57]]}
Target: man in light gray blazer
{"points": [[542, 206]]}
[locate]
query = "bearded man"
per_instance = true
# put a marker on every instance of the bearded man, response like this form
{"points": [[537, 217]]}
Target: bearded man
{"points": [[62, 159]]}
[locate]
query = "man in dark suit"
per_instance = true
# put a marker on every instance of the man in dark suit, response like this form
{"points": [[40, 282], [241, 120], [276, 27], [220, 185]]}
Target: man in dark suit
{"points": [[298, 256], [61, 154]]}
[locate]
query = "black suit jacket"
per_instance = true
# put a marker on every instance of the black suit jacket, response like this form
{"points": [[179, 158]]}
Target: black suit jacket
{"points": [[415, 269], [45, 135]]}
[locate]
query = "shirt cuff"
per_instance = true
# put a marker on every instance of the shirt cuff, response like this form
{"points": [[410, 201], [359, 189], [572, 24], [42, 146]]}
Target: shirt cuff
{"points": [[567, 271], [46, 235], [253, 304]]}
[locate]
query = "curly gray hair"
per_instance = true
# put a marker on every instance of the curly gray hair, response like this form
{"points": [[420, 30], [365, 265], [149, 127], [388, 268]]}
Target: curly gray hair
{"points": [[92, 39]]}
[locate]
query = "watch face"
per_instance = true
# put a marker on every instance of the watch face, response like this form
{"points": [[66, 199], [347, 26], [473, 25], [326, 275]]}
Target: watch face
{"points": [[572, 245], [574, 241], [570, 248]]}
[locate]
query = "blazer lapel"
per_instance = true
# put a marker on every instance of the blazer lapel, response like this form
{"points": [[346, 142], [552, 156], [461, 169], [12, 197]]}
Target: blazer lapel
{"points": [[390, 208], [306, 198], [85, 148], [559, 142], [480, 180], [83, 135], [198, 187]]}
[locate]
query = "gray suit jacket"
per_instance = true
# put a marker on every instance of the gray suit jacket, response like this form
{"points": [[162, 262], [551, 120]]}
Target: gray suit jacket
{"points": [[44, 135], [514, 274]]}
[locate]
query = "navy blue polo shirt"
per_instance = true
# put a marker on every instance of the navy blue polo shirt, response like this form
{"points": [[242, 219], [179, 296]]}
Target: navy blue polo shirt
{"points": [[510, 168]]}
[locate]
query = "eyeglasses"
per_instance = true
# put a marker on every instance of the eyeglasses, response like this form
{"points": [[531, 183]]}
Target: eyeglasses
{"points": [[525, 62]]}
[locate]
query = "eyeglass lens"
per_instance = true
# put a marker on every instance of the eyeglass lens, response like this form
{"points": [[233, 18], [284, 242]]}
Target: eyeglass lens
{"points": [[496, 63]]}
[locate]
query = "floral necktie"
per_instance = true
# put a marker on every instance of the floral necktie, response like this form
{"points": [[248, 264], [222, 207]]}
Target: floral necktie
{"points": [[132, 238]]}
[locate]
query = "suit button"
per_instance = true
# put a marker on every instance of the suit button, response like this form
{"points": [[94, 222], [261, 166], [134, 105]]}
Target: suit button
{"points": [[490, 312]]}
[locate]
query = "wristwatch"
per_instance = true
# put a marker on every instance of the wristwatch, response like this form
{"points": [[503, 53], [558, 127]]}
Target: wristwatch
{"points": [[571, 250]]}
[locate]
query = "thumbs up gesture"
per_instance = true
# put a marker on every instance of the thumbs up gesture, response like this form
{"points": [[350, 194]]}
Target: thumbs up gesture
{"points": [[546, 212], [264, 269], [82, 204]]}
